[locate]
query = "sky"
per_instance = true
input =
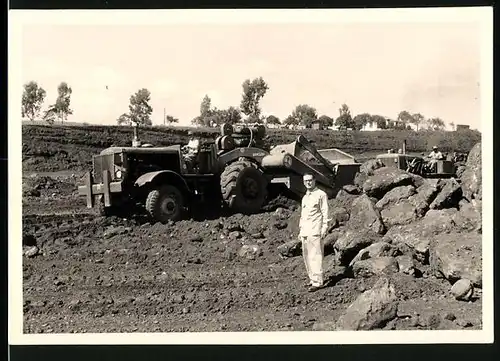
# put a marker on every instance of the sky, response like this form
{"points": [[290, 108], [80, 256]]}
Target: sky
{"points": [[379, 68]]}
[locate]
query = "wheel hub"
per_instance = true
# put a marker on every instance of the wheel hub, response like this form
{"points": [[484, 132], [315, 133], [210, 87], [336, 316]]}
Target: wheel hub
{"points": [[168, 205], [250, 188]]}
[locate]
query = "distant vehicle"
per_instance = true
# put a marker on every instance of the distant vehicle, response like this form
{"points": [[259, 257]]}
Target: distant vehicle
{"points": [[418, 165]]}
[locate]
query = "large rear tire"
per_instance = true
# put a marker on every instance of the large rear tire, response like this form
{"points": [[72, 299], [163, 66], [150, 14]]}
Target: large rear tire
{"points": [[165, 203], [243, 187]]}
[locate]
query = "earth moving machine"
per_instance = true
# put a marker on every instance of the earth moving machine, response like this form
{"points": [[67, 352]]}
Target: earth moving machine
{"points": [[286, 164], [415, 164], [234, 169]]}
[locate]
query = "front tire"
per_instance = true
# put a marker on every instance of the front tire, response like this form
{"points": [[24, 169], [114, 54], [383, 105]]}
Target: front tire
{"points": [[243, 187], [165, 203]]}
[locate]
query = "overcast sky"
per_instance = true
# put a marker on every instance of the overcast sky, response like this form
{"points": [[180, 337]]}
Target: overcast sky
{"points": [[381, 69]]}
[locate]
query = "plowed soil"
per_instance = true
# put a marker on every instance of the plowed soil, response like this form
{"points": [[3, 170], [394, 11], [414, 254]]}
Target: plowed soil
{"points": [[95, 274]]}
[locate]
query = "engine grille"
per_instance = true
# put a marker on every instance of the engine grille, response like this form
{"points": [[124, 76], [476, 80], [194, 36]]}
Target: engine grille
{"points": [[101, 163]]}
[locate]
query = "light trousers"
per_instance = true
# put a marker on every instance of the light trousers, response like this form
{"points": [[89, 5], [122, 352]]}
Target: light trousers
{"points": [[312, 251]]}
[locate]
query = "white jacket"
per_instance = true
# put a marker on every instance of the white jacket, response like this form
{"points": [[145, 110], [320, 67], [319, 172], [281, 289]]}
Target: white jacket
{"points": [[193, 145], [436, 155], [314, 213]]}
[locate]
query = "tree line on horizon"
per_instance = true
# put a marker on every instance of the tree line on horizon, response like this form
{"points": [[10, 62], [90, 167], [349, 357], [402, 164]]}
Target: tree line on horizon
{"points": [[34, 97], [249, 111]]}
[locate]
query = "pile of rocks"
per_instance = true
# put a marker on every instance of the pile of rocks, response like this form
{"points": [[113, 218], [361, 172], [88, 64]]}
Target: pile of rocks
{"points": [[392, 221]]}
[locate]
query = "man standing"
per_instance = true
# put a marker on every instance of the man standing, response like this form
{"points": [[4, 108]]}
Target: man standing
{"points": [[313, 227]]}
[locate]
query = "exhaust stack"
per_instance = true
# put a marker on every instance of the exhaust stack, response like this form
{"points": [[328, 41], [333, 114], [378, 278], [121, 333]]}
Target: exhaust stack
{"points": [[136, 142]]}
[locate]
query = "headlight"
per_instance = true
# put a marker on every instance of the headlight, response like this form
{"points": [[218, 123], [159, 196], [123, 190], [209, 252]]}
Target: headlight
{"points": [[118, 174]]}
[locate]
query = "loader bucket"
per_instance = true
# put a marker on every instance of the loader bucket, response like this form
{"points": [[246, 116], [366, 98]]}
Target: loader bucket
{"points": [[301, 157], [346, 165], [337, 156], [287, 163]]}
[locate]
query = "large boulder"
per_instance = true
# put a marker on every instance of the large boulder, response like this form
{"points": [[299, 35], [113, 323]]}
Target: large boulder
{"points": [[250, 251], [478, 205], [468, 217], [331, 268], [351, 242], [342, 200], [416, 236], [384, 179], [462, 290], [460, 170], [424, 197], [331, 238], [370, 166], [338, 216], [457, 255], [364, 215], [408, 210], [365, 170], [396, 194], [375, 266], [352, 189], [372, 309], [449, 196], [290, 249], [406, 264], [378, 249], [401, 213], [418, 181], [360, 179], [472, 175]]}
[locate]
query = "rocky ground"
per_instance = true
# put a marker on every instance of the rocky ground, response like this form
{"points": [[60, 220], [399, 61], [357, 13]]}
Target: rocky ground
{"points": [[402, 253]]}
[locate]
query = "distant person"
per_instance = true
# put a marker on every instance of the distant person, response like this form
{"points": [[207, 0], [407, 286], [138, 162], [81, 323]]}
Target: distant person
{"points": [[435, 153], [434, 156], [312, 230], [193, 145], [191, 150]]}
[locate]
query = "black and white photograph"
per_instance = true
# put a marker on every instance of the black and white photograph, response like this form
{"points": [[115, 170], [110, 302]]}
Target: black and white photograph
{"points": [[243, 176]]}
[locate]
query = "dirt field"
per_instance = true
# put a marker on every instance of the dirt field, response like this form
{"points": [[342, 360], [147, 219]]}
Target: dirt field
{"points": [[92, 274]]}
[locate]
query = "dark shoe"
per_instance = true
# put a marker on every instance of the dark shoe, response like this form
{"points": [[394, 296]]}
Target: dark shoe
{"points": [[314, 288]]}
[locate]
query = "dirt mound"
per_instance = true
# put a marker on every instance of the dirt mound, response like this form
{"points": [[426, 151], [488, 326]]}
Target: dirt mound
{"points": [[36, 186]]}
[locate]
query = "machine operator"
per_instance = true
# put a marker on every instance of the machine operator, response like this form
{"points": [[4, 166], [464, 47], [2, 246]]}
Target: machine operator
{"points": [[433, 157]]}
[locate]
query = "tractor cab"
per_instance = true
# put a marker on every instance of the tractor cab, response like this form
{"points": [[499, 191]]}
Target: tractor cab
{"points": [[205, 161], [416, 164], [210, 158]]}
